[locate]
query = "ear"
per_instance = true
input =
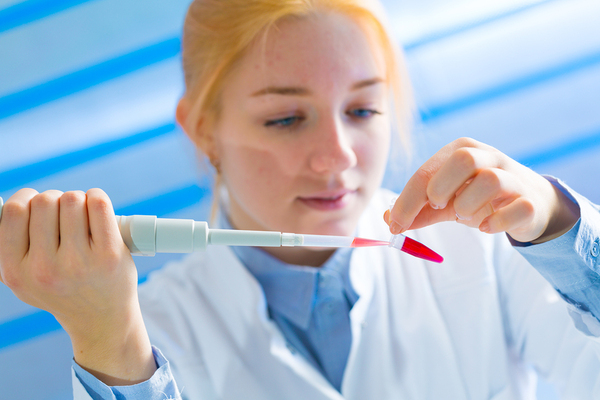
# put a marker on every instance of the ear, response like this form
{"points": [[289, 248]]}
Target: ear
{"points": [[182, 114], [198, 134]]}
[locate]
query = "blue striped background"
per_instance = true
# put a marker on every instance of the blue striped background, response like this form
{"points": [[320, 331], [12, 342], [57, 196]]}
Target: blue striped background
{"points": [[494, 78]]}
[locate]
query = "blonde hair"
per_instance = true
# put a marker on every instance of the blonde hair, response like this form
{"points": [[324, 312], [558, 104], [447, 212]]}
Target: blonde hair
{"points": [[216, 34]]}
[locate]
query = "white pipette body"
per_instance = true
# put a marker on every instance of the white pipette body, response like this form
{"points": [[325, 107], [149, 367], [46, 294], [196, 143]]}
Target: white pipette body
{"points": [[147, 235]]}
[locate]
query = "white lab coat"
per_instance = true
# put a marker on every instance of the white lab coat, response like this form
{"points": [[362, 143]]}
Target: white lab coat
{"points": [[473, 327]]}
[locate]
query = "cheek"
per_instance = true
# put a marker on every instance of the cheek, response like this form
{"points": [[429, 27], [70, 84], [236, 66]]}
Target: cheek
{"points": [[258, 171], [373, 152]]}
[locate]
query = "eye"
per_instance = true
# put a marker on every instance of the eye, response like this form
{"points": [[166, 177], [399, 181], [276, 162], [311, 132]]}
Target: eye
{"points": [[363, 113], [287, 122]]}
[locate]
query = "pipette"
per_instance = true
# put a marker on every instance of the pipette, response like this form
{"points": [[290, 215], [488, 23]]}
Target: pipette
{"points": [[147, 235]]}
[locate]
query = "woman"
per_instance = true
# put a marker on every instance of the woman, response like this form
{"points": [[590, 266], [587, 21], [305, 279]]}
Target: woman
{"points": [[290, 101]]}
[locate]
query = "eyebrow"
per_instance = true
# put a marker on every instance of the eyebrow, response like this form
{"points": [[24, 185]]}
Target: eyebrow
{"points": [[300, 91]]}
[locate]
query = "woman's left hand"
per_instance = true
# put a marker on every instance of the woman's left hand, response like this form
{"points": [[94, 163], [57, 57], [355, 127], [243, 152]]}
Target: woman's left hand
{"points": [[474, 184]]}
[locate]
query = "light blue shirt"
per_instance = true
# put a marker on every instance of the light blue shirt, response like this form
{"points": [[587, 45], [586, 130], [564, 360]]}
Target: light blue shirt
{"points": [[311, 305], [160, 387], [571, 262]]}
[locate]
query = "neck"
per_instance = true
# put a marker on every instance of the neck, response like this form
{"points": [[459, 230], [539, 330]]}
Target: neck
{"points": [[300, 255]]}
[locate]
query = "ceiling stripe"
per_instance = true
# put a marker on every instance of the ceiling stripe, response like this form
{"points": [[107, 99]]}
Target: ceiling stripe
{"points": [[457, 30], [18, 177], [562, 150], [507, 88], [88, 77], [29, 11], [27, 327], [170, 202]]}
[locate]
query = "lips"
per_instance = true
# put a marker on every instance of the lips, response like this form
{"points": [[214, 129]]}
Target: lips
{"points": [[328, 200]]}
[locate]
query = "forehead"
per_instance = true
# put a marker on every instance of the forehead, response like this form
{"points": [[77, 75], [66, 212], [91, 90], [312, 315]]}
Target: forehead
{"points": [[320, 51]]}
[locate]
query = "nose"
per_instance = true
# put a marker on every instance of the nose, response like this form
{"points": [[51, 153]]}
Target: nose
{"points": [[333, 151]]}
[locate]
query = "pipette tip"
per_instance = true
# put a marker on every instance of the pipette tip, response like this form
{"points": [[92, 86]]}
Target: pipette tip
{"points": [[360, 242]]}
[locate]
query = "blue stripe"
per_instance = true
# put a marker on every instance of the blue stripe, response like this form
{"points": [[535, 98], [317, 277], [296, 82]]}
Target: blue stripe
{"points": [[88, 77], [560, 151], [28, 327], [168, 203], [18, 177], [40, 323], [457, 30], [33, 10], [507, 88]]}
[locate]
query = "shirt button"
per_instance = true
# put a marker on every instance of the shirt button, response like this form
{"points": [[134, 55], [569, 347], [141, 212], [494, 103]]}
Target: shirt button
{"points": [[595, 248]]}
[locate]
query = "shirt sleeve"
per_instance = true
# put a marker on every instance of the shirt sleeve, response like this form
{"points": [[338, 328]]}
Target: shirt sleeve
{"points": [[161, 386], [571, 263]]}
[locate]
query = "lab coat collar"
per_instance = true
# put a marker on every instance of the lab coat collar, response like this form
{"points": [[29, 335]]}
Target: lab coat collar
{"points": [[236, 343]]}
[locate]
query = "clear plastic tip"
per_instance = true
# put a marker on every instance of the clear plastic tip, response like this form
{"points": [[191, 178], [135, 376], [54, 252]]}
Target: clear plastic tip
{"points": [[397, 241]]}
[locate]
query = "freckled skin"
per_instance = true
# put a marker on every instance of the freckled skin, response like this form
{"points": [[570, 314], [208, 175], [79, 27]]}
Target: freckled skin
{"points": [[266, 169]]}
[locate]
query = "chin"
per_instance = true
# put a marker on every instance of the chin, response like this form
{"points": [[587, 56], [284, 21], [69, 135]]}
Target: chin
{"points": [[340, 226]]}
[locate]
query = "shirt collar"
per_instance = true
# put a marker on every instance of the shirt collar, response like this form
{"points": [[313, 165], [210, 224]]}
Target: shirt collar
{"points": [[290, 289]]}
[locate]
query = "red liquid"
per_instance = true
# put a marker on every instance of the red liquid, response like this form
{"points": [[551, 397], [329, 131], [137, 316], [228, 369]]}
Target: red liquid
{"points": [[416, 249], [360, 242], [410, 246]]}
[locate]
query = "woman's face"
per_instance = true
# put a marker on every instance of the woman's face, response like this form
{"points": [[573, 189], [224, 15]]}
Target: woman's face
{"points": [[304, 128]]}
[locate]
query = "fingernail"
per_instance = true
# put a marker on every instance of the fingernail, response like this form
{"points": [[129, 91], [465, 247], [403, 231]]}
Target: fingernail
{"points": [[386, 216], [395, 228], [463, 218], [436, 207], [484, 227]]}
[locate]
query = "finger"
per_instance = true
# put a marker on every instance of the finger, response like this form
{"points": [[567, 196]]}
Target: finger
{"points": [[514, 217], [413, 197], [14, 229], [476, 220], [44, 222], [463, 165], [14, 234], [102, 221], [429, 216], [74, 226], [490, 186], [386, 217], [410, 202]]}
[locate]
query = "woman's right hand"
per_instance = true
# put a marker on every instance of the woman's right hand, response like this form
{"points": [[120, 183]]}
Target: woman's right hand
{"points": [[63, 253]]}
